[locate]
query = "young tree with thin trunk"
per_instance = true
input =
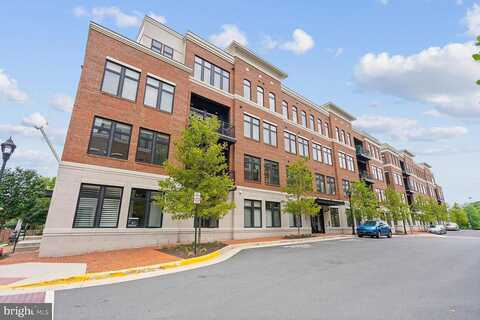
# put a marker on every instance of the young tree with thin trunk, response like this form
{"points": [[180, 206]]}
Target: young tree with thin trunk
{"points": [[200, 167], [396, 207], [299, 188], [364, 201], [458, 215]]}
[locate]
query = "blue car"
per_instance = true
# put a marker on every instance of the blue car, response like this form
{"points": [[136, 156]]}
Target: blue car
{"points": [[374, 228]]}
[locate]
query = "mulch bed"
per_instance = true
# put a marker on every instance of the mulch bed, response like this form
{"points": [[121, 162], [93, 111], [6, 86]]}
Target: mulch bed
{"points": [[186, 250], [298, 236]]}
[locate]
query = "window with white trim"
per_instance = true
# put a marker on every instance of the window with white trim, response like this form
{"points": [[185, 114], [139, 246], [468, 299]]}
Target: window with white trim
{"points": [[247, 89], [260, 96], [302, 147], [285, 109], [159, 95], [294, 114], [271, 102], [342, 159], [316, 152], [350, 163], [251, 127], [269, 134], [120, 81], [290, 142]]}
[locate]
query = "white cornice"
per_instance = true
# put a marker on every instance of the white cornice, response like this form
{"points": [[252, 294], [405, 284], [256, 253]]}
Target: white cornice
{"points": [[210, 87], [208, 46], [304, 100], [138, 46]]}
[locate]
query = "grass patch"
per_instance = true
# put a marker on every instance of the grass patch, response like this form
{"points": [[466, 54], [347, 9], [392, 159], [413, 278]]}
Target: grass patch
{"points": [[186, 250]]}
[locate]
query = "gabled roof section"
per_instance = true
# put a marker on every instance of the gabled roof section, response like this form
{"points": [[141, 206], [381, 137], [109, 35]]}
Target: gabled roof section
{"points": [[238, 50], [339, 111]]}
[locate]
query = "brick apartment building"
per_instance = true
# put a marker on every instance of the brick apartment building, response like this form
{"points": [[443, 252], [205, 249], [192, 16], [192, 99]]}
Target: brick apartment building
{"points": [[134, 98]]}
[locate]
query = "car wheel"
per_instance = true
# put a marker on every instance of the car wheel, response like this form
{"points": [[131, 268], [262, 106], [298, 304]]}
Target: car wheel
{"points": [[360, 235], [378, 234], [389, 234]]}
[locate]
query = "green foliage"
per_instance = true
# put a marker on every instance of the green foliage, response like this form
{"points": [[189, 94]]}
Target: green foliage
{"points": [[22, 196], [476, 56], [428, 210], [458, 215], [364, 201], [200, 167], [396, 207], [298, 188], [473, 214]]}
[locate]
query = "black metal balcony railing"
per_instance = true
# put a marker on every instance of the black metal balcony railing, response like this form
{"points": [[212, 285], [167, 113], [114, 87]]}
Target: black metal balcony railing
{"points": [[226, 129], [363, 152], [367, 177]]}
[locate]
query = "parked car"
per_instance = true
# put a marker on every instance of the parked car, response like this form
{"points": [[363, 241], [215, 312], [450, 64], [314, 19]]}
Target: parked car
{"points": [[437, 229], [452, 226], [374, 228]]}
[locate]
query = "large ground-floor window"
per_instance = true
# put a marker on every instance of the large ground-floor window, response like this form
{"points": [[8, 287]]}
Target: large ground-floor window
{"points": [[335, 217], [273, 214], [294, 220], [253, 213], [143, 211], [98, 206]]}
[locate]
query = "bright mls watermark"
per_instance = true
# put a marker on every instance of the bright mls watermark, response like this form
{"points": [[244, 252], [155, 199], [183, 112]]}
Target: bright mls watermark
{"points": [[26, 311]]}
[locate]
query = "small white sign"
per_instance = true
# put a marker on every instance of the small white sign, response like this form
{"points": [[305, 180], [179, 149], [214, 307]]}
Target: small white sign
{"points": [[197, 197]]}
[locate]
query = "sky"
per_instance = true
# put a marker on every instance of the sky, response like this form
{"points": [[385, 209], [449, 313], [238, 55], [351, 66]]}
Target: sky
{"points": [[402, 67]]}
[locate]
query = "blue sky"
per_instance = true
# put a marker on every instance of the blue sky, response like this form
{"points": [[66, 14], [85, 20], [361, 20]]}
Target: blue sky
{"points": [[402, 67]]}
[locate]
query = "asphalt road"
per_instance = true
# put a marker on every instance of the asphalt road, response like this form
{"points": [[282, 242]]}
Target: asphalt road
{"points": [[399, 278]]}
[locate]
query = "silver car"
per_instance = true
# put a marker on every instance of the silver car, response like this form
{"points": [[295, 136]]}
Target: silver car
{"points": [[452, 226], [437, 229]]}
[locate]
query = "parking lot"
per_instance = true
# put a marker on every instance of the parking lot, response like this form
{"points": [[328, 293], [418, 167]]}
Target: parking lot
{"points": [[405, 277]]}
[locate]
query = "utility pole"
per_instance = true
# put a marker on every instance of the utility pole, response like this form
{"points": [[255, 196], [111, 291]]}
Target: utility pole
{"points": [[50, 145]]}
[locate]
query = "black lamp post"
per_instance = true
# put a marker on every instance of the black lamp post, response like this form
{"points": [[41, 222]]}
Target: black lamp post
{"points": [[8, 147], [349, 193]]}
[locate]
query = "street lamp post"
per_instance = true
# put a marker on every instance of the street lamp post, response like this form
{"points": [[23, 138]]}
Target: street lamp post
{"points": [[8, 147], [351, 211]]}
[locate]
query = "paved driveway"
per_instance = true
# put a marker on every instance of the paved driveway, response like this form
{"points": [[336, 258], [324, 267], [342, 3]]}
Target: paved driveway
{"points": [[399, 278]]}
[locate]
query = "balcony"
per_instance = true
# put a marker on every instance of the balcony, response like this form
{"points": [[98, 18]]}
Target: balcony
{"points": [[362, 154], [367, 177], [226, 130]]}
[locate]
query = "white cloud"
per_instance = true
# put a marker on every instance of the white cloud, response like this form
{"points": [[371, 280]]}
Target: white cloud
{"points": [[230, 32], [269, 43], [459, 2], [9, 89], [472, 20], [62, 102], [384, 2], [13, 129], [121, 18], [443, 77], [433, 113], [404, 129], [301, 42], [35, 120], [157, 17]]}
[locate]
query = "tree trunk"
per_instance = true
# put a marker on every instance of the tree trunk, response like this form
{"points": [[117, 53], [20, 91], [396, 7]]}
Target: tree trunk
{"points": [[404, 226], [199, 235], [298, 229]]}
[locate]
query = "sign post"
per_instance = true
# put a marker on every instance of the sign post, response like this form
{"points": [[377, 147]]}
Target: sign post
{"points": [[197, 197]]}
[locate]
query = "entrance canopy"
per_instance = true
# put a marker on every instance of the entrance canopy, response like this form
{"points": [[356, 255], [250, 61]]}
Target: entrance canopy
{"points": [[327, 202]]}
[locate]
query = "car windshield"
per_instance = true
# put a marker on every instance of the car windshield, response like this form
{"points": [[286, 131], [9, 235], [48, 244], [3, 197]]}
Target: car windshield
{"points": [[370, 223]]}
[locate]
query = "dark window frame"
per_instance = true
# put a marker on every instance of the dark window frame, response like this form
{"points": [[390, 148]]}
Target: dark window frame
{"points": [[268, 168], [160, 92], [246, 175], [154, 144], [110, 138], [148, 200], [98, 209], [268, 207], [252, 217], [213, 70], [161, 48], [320, 178], [121, 80]]}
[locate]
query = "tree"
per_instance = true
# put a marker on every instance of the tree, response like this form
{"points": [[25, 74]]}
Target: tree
{"points": [[200, 167], [458, 215], [363, 201], [476, 56], [22, 192], [396, 207], [473, 214], [299, 187]]}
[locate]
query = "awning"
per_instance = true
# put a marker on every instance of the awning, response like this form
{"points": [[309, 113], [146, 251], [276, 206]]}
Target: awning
{"points": [[328, 202]]}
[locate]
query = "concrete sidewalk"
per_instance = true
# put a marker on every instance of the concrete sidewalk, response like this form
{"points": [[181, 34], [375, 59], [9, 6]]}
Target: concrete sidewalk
{"points": [[31, 281]]}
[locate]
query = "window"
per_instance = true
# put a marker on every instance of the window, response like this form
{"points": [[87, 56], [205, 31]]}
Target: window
{"points": [[319, 126], [320, 182], [252, 214], [316, 152], [303, 147], [348, 212], [251, 127], [312, 122], [337, 134], [327, 156], [98, 206], [349, 140], [271, 169], [350, 163], [260, 96], [330, 185], [294, 114], [252, 168], [327, 129], [285, 109], [269, 134], [211, 74], [159, 95], [290, 142], [303, 118], [247, 90], [152, 147], [342, 159], [273, 214], [295, 221], [110, 138], [335, 217], [345, 187], [271, 102], [206, 222], [342, 137], [161, 48], [120, 81], [143, 211]]}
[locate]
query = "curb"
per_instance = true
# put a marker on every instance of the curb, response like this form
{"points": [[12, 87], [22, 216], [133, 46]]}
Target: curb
{"points": [[163, 266]]}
